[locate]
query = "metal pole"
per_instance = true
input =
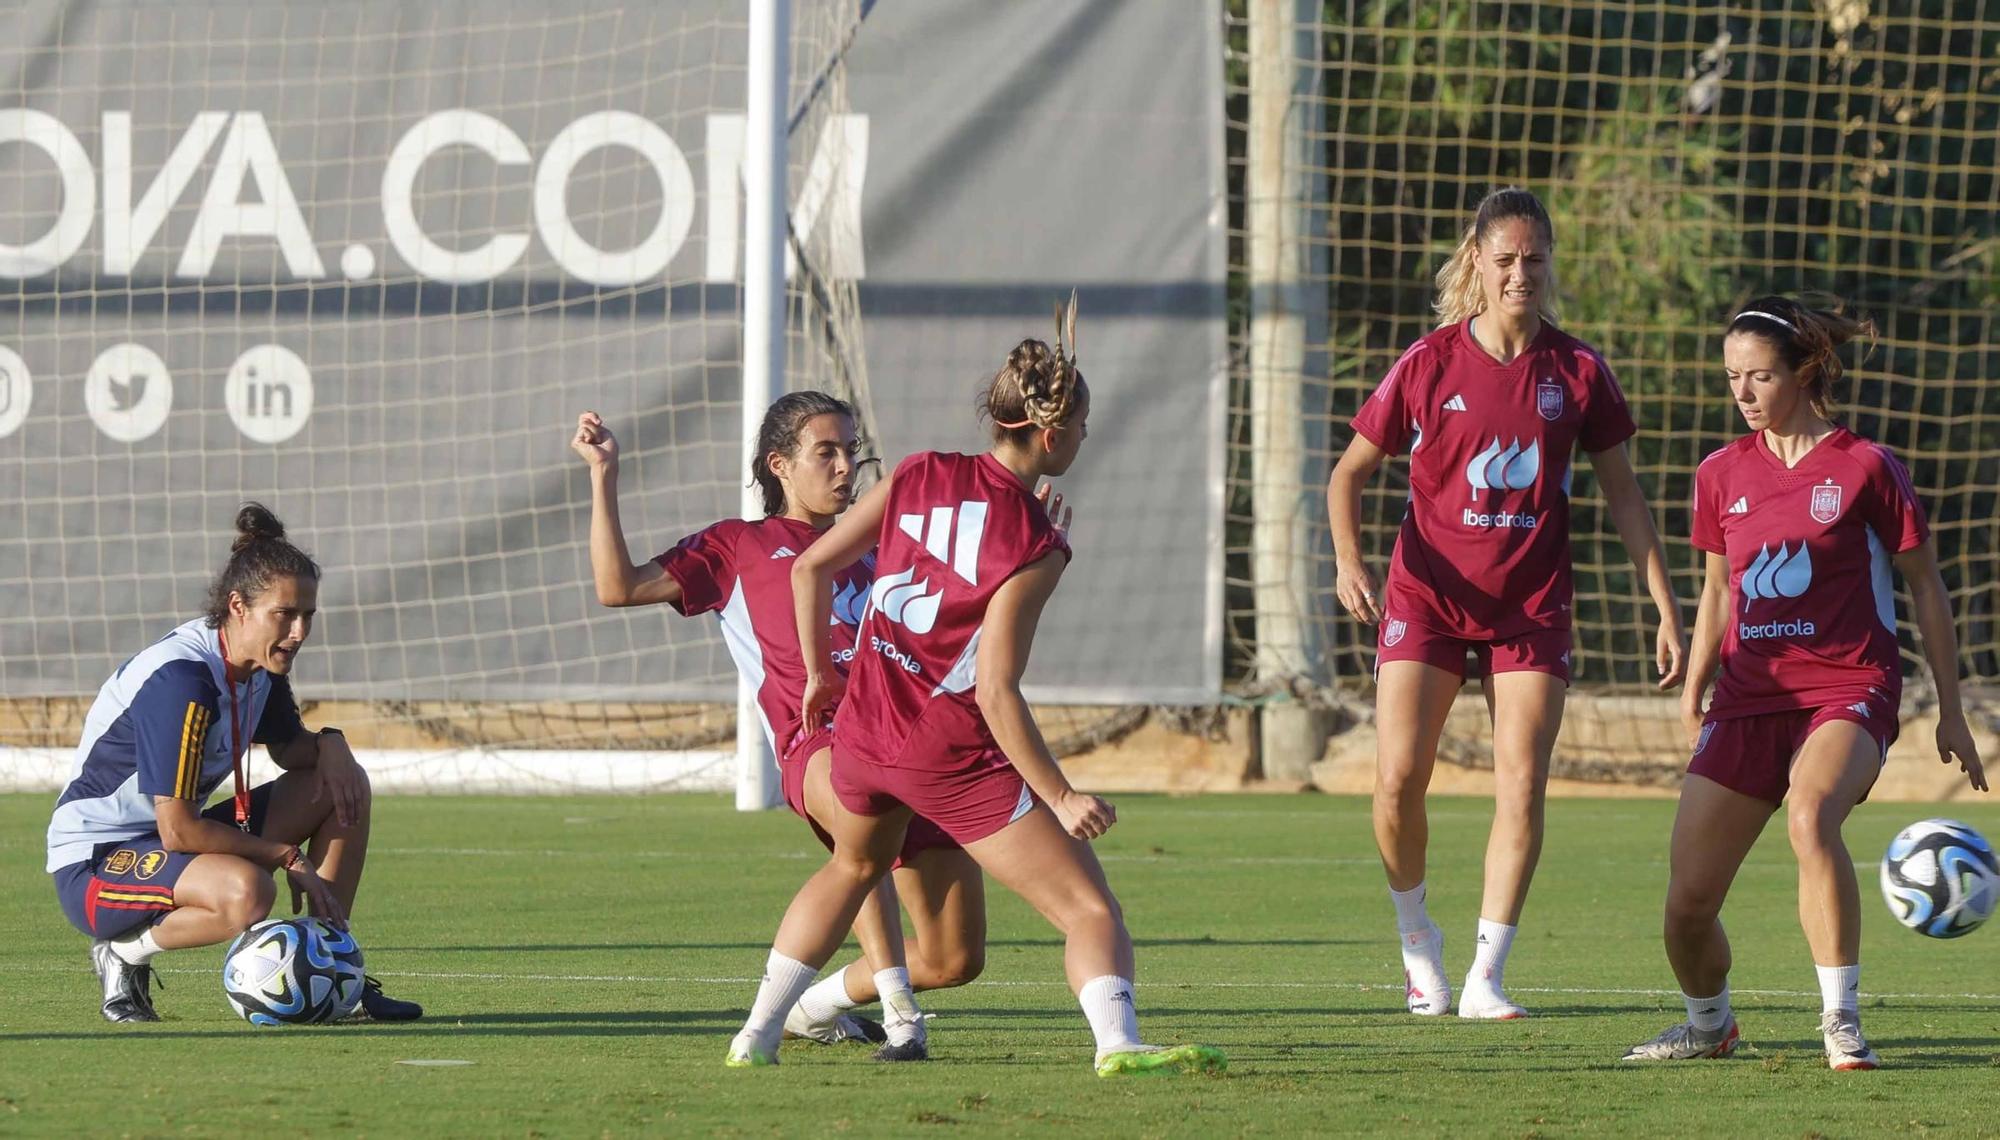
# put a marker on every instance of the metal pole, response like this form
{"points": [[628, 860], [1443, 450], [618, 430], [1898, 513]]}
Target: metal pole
{"points": [[1278, 216], [770, 69]]}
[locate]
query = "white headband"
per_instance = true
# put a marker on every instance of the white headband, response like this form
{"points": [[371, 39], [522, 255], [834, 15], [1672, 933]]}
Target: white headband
{"points": [[1767, 316]]}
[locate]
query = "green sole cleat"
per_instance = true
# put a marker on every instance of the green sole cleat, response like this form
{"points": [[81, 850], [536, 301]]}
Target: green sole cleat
{"points": [[1176, 1059], [744, 1054]]}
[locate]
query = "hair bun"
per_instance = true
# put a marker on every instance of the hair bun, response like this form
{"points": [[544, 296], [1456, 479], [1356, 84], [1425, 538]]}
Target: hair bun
{"points": [[255, 521]]}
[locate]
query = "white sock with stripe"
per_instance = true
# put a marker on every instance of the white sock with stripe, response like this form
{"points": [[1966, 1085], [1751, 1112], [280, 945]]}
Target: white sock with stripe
{"points": [[1114, 1017], [1411, 915], [1839, 988], [1709, 1014]]}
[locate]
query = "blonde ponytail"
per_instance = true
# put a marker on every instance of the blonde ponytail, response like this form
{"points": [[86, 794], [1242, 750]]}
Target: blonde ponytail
{"points": [[1458, 294]]}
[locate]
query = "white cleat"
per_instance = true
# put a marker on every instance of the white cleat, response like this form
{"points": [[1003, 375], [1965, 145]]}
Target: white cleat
{"points": [[1426, 993], [843, 1027], [1684, 1042], [1846, 1049], [1481, 1000]]}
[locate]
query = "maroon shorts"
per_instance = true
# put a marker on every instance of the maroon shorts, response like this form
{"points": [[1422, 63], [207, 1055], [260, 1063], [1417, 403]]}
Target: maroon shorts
{"points": [[1753, 754], [1538, 651], [922, 835], [970, 798]]}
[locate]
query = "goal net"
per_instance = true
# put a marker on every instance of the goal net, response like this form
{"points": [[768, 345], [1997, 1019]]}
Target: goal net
{"points": [[1692, 157], [365, 263]]}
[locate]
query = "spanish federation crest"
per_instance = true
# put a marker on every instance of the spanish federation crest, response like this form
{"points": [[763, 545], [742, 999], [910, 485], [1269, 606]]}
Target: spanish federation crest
{"points": [[1392, 632], [1826, 502], [1549, 399]]}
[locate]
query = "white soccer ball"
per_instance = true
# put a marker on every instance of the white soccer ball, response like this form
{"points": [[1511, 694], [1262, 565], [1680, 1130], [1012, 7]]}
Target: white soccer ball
{"points": [[297, 971], [1941, 878]]}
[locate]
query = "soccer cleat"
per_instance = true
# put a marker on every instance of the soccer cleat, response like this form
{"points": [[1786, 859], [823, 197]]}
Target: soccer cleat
{"points": [[378, 1006], [127, 993], [843, 1027], [1146, 1060], [1425, 991], [1684, 1042], [903, 1026], [744, 1053], [1846, 1049], [915, 1049], [1481, 1000]]}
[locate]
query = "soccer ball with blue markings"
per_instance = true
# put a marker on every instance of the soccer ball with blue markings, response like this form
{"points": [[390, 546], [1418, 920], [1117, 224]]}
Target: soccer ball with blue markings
{"points": [[1941, 878], [297, 971]]}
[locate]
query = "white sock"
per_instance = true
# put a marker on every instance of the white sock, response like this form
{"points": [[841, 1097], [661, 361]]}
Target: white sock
{"points": [[1839, 988], [900, 1018], [1709, 1014], [827, 999], [784, 980], [1411, 917], [1489, 951], [1114, 1019], [136, 949]]}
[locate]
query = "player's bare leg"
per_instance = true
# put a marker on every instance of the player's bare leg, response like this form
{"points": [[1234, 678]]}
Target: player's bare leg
{"points": [[881, 973], [1060, 877], [1412, 700], [1527, 710], [1714, 829], [816, 923], [216, 898], [1834, 769], [338, 850], [945, 893]]}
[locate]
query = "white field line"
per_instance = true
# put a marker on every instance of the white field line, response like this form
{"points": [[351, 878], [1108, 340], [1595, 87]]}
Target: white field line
{"points": [[1192, 858], [1361, 987]]}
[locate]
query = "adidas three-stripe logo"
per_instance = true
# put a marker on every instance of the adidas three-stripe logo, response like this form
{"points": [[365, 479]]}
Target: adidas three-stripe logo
{"points": [[960, 550], [1740, 507], [1455, 404]]}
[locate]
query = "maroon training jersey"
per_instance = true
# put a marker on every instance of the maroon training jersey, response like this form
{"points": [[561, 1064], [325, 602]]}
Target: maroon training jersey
{"points": [[1812, 606], [955, 528], [742, 571], [1484, 549]]}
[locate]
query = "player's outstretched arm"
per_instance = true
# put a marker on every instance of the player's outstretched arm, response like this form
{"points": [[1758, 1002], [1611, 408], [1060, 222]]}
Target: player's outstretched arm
{"points": [[1006, 635], [1634, 520], [1354, 584], [619, 582], [812, 594], [1711, 617], [1931, 606]]}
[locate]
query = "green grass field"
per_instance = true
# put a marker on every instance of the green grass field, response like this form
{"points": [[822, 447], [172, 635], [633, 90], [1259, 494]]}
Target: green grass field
{"points": [[591, 957]]}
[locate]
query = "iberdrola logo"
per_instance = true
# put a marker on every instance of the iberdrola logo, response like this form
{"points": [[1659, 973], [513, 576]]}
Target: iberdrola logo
{"points": [[1511, 468]]}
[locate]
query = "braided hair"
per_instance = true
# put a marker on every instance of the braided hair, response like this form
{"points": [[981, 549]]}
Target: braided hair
{"points": [[259, 554], [1039, 388]]}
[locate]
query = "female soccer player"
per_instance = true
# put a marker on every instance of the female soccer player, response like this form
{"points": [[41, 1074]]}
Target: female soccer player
{"points": [[1490, 407], [138, 866], [934, 721], [1800, 521], [742, 571]]}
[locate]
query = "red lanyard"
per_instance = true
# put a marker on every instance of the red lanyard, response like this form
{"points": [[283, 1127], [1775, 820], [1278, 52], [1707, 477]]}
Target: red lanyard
{"points": [[236, 750]]}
